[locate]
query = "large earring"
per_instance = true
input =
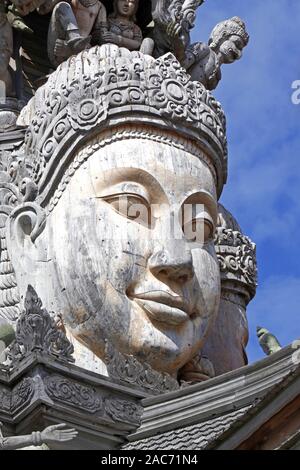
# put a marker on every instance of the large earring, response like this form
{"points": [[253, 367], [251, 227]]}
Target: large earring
{"points": [[30, 219]]}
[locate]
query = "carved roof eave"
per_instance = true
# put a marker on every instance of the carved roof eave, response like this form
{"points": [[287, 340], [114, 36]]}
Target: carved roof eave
{"points": [[217, 396]]}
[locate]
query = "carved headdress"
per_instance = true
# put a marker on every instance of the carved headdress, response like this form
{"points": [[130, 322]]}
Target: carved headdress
{"points": [[224, 30], [103, 93], [105, 87]]}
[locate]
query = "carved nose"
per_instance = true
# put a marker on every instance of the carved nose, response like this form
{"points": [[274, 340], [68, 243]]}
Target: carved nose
{"points": [[166, 267]]}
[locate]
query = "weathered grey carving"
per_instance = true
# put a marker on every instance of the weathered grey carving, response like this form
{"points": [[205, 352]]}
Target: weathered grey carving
{"points": [[50, 435], [173, 20], [5, 399], [103, 100], [72, 25], [88, 399], [73, 393], [22, 394], [9, 198], [122, 410], [122, 28], [200, 368], [36, 330], [129, 369], [161, 86], [19, 397], [268, 342], [225, 46], [226, 344], [237, 256], [6, 50]]}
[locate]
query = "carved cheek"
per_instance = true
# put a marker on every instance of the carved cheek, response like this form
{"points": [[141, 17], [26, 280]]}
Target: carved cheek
{"points": [[207, 273]]}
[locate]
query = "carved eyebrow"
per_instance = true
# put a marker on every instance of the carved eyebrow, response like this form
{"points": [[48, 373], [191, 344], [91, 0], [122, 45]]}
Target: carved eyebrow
{"points": [[133, 179], [126, 187], [205, 198]]}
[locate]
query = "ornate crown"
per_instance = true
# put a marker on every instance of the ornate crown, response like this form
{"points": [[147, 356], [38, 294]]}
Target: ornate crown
{"points": [[231, 27], [109, 86], [236, 253]]}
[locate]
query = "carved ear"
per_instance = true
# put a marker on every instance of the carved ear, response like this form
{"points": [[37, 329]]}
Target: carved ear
{"points": [[27, 220]]}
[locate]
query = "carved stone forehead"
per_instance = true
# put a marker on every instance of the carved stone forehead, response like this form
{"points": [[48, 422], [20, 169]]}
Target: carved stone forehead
{"points": [[105, 87]]}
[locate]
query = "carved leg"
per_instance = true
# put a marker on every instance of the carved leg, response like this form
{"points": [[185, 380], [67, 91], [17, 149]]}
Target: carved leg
{"points": [[64, 38], [147, 46]]}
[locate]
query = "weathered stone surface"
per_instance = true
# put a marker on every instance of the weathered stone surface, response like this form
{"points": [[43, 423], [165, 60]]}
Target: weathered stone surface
{"points": [[71, 27], [109, 130], [226, 344], [225, 46], [42, 391], [142, 285]]}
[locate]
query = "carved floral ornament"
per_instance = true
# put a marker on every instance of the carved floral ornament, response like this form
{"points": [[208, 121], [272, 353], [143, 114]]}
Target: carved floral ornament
{"points": [[237, 257]]}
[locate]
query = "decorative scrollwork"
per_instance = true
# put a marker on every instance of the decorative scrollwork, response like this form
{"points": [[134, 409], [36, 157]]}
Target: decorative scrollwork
{"points": [[237, 256], [122, 410], [101, 86], [22, 394], [74, 393], [129, 369]]}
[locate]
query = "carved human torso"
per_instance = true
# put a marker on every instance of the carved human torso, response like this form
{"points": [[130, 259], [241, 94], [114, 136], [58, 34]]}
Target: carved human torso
{"points": [[86, 13], [126, 29]]}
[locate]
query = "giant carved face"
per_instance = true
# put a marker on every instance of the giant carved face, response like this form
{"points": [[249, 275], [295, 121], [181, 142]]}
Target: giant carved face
{"points": [[132, 277]]}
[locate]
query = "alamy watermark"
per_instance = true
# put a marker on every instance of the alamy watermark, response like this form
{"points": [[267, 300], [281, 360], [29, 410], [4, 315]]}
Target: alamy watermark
{"points": [[192, 222], [296, 92]]}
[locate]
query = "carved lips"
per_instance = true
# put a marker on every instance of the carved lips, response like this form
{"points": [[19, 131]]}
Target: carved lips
{"points": [[163, 307]]}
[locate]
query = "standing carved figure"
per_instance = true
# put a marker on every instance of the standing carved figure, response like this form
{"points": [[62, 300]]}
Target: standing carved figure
{"points": [[225, 46], [122, 27], [72, 25], [173, 21]]}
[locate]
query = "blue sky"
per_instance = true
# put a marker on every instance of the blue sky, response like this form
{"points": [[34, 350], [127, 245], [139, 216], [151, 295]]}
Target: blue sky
{"points": [[263, 190]]}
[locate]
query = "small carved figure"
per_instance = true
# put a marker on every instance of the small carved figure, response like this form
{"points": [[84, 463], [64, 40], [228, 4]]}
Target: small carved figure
{"points": [[50, 435], [225, 46], [72, 25], [122, 29], [6, 50], [173, 21], [267, 341]]}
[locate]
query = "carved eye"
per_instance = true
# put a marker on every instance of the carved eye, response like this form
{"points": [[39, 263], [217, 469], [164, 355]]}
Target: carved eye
{"points": [[199, 230], [131, 206], [197, 223]]}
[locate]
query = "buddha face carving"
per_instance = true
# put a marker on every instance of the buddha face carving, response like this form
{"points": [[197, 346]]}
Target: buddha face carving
{"points": [[125, 279]]}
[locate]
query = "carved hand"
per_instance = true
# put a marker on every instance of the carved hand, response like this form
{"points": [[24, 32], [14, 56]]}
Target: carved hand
{"points": [[56, 433], [111, 37]]}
